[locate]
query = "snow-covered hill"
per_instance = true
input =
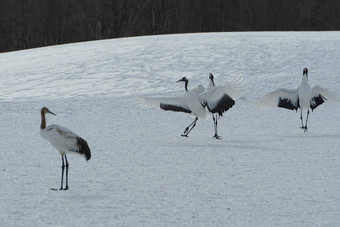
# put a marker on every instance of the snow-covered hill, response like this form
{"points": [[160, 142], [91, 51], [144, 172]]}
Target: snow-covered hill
{"points": [[264, 172]]}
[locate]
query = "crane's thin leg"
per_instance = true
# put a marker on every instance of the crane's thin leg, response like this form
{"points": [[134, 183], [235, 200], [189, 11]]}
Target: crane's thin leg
{"points": [[66, 173], [306, 128], [193, 126], [62, 174], [214, 123], [188, 129], [216, 136], [303, 127]]}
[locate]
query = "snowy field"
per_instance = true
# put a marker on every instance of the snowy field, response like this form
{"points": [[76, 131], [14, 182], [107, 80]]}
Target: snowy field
{"points": [[264, 172]]}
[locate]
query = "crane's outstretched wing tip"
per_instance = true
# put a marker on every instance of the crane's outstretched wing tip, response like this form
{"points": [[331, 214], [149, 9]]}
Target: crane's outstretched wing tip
{"points": [[261, 105], [141, 101], [334, 97], [238, 81], [327, 94], [266, 102], [234, 88]]}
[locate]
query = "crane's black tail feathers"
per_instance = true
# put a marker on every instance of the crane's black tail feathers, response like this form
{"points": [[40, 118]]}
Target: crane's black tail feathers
{"points": [[84, 148]]}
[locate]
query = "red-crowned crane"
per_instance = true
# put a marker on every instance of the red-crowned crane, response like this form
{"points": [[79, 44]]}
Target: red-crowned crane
{"points": [[219, 99], [65, 141], [189, 103], [194, 102], [304, 97]]}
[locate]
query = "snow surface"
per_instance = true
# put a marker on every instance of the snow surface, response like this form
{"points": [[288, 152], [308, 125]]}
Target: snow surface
{"points": [[264, 172]]}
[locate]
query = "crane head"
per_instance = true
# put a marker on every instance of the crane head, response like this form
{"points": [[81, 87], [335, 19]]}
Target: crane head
{"points": [[211, 77], [305, 72], [184, 79], [45, 110]]}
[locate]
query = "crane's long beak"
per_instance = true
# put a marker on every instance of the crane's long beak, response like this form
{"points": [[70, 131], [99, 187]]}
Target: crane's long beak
{"points": [[180, 80], [51, 112]]}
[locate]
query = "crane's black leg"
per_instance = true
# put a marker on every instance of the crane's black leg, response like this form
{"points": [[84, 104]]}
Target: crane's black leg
{"points": [[306, 128], [303, 127], [62, 174], [193, 126], [188, 129], [66, 174], [214, 124], [216, 136]]}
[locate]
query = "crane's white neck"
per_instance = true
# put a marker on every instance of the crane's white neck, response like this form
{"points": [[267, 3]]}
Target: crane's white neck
{"points": [[304, 79]]}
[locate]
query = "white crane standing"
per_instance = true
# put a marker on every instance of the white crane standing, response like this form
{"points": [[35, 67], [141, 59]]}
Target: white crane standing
{"points": [[304, 97], [65, 141]]}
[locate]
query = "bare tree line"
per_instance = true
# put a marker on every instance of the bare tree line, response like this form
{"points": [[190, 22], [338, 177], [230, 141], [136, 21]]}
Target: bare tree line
{"points": [[36, 23]]}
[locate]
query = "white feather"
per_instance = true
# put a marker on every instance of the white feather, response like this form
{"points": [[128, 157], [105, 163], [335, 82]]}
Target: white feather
{"points": [[63, 139], [195, 104], [214, 94], [329, 95], [156, 102], [199, 89], [272, 99]]}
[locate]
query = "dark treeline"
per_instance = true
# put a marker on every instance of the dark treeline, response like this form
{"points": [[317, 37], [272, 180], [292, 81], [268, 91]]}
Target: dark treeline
{"points": [[35, 23]]}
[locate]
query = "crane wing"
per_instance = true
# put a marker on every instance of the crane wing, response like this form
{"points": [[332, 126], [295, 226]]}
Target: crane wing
{"points": [[284, 98], [177, 104], [219, 99], [65, 140], [61, 137], [199, 89], [320, 95]]}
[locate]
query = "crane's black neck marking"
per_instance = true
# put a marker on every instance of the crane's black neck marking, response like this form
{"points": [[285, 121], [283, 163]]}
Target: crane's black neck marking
{"points": [[186, 84], [305, 72], [212, 81]]}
